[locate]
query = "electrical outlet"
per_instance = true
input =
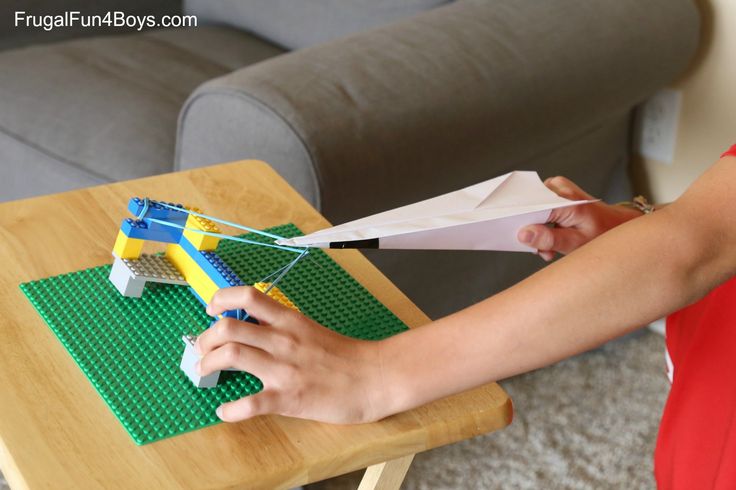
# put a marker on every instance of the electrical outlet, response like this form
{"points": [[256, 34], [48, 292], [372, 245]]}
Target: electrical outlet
{"points": [[656, 126]]}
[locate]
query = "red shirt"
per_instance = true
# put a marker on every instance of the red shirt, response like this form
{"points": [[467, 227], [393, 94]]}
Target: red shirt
{"points": [[696, 447]]}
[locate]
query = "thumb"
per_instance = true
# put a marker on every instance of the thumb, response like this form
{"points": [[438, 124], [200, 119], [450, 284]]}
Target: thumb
{"points": [[544, 238], [247, 407]]}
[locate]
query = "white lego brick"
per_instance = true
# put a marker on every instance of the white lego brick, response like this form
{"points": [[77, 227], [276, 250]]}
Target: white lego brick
{"points": [[188, 361], [124, 280]]}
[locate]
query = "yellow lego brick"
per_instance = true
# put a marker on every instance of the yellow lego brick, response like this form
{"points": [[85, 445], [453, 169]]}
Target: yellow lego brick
{"points": [[200, 241], [276, 294], [202, 284], [126, 247]]}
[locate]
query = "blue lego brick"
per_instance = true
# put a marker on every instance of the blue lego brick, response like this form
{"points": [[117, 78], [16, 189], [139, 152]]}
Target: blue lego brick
{"points": [[222, 275], [145, 230], [157, 211], [240, 315], [229, 277]]}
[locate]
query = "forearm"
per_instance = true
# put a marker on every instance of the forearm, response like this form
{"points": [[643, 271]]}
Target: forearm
{"points": [[638, 272]]}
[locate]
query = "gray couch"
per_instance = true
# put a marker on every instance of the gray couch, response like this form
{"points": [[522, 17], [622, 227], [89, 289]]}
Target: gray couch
{"points": [[361, 105]]}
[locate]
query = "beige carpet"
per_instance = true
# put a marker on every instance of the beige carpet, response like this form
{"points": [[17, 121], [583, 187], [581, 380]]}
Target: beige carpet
{"points": [[586, 423], [589, 422]]}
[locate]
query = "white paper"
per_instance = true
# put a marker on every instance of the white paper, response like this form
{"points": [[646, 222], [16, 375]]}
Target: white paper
{"points": [[484, 216]]}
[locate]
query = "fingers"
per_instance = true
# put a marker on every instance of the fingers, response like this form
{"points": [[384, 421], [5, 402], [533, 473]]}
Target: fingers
{"points": [[257, 304], [566, 188], [543, 238], [237, 356], [231, 330], [547, 255], [259, 404]]}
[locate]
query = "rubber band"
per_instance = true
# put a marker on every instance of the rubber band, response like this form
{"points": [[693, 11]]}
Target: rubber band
{"points": [[224, 222], [287, 269], [280, 273], [284, 270], [276, 272], [226, 237], [144, 209]]}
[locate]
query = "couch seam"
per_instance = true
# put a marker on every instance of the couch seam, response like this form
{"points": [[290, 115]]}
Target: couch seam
{"points": [[583, 132], [49, 154], [314, 173], [226, 69]]}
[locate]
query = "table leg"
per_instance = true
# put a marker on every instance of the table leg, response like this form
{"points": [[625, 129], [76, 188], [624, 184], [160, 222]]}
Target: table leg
{"points": [[386, 476]]}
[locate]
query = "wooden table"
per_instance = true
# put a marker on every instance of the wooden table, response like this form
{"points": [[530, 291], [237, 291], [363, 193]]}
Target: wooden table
{"points": [[55, 430]]}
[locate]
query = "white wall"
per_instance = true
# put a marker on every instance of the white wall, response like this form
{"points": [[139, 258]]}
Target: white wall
{"points": [[707, 123]]}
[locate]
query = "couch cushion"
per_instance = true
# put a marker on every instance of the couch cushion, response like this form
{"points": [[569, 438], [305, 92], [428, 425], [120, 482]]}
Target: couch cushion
{"points": [[106, 108], [298, 24]]}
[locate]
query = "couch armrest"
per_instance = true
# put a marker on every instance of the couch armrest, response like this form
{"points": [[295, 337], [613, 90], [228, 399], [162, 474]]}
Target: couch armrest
{"points": [[442, 100]]}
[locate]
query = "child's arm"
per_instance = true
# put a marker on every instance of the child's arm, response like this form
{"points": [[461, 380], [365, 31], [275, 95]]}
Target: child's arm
{"points": [[635, 273], [628, 277]]}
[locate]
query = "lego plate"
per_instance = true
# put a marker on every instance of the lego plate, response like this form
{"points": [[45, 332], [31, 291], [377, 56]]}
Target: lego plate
{"points": [[130, 348]]}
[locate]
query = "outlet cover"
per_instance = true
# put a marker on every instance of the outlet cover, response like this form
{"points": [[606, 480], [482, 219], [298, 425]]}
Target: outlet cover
{"points": [[656, 126]]}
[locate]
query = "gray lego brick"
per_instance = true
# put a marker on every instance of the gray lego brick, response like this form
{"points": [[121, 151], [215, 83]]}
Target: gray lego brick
{"points": [[154, 268]]}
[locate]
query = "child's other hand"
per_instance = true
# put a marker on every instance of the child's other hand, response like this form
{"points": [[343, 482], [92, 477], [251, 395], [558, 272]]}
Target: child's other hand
{"points": [[573, 226], [307, 370]]}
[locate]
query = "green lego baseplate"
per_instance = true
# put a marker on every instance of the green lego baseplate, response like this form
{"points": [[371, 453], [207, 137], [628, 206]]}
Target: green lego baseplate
{"points": [[130, 348]]}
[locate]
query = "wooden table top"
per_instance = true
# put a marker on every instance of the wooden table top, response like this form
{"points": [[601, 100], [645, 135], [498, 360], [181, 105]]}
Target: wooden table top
{"points": [[55, 430]]}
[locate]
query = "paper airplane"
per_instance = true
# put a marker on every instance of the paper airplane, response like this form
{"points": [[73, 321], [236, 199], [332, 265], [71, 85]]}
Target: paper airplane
{"points": [[484, 216]]}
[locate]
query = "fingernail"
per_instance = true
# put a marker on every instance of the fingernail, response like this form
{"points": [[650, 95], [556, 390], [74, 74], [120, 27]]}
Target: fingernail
{"points": [[198, 368], [219, 412], [526, 236], [197, 348]]}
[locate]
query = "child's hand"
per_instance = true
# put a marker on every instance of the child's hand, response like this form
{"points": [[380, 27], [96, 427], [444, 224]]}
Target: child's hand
{"points": [[307, 370], [573, 226]]}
